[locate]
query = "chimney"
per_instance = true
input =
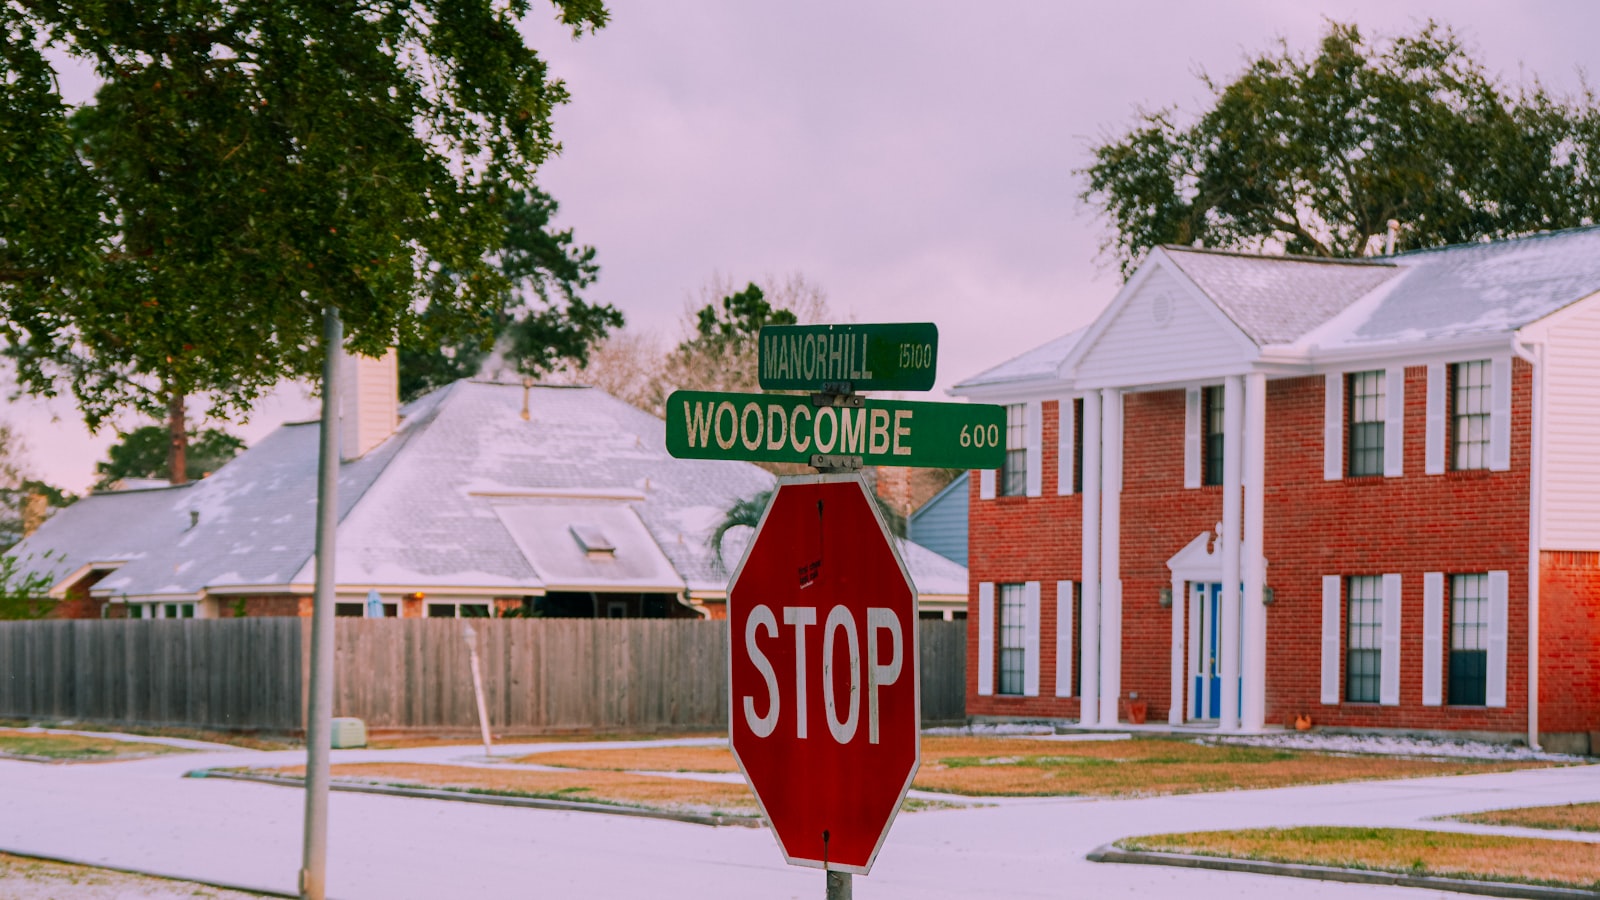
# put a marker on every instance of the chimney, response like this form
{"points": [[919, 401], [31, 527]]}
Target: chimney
{"points": [[369, 401], [35, 508]]}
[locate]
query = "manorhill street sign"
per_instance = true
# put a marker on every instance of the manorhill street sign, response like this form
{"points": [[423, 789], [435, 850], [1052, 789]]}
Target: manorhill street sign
{"points": [[897, 357], [797, 429]]}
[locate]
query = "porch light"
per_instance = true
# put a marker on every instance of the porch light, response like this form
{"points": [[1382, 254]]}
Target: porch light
{"points": [[1165, 598], [1266, 596]]}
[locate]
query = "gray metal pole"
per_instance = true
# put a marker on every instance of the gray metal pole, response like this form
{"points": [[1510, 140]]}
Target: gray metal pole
{"points": [[319, 725], [840, 885]]}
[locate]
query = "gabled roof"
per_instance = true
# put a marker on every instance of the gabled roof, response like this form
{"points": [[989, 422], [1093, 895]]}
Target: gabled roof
{"points": [[1040, 362], [1278, 299]]}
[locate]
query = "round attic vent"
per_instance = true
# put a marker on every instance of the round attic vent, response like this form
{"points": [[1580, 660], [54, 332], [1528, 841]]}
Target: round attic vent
{"points": [[1161, 310]]}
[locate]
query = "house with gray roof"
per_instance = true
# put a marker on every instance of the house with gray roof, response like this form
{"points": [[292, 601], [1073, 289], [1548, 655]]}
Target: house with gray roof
{"points": [[1262, 488], [480, 498]]}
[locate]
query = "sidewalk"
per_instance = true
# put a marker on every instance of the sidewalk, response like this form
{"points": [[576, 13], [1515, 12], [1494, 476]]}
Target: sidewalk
{"points": [[144, 815]]}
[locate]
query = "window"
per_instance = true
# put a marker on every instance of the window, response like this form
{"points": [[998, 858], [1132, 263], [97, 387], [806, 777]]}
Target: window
{"points": [[1469, 639], [1077, 446], [177, 610], [458, 610], [350, 610], [1012, 633], [1014, 477], [1469, 415], [1366, 421], [1211, 410], [136, 611], [1363, 647]]}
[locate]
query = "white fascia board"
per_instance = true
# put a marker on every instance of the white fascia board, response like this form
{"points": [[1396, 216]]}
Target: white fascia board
{"points": [[1291, 359], [58, 591], [1201, 375], [694, 594], [153, 598], [618, 587], [440, 589], [1017, 391]]}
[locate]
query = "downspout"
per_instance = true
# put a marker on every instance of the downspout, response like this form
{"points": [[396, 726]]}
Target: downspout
{"points": [[1533, 354]]}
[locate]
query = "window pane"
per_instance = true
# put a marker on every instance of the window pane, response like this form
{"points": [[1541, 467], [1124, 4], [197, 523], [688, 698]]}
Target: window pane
{"points": [[1469, 639], [1211, 403], [1469, 413], [1364, 638], [1014, 477], [1012, 634], [1367, 395]]}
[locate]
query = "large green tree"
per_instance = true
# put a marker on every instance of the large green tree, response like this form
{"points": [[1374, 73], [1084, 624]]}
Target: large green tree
{"points": [[245, 167], [1314, 154]]}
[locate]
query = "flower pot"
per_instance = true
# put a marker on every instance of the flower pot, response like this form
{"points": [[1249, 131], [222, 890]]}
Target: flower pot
{"points": [[1302, 723], [1137, 710]]}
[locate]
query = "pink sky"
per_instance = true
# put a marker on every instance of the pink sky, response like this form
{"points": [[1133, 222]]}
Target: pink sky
{"points": [[913, 158]]}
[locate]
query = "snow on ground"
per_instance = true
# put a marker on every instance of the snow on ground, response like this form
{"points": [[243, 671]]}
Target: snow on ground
{"points": [[1395, 745], [987, 729]]}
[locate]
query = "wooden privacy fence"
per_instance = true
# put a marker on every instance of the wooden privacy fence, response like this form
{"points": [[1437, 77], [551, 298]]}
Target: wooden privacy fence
{"points": [[539, 674]]}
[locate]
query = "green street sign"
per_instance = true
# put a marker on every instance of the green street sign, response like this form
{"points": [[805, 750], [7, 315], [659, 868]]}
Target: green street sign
{"points": [[896, 357], [787, 428]]}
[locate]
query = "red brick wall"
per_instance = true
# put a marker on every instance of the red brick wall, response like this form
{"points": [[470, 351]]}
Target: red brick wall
{"points": [[1458, 522], [263, 605], [1569, 642]]}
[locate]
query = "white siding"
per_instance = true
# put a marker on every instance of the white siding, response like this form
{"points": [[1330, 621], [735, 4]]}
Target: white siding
{"points": [[1034, 411], [986, 484], [1500, 414], [1030, 639], [1570, 505], [1434, 441], [1499, 626], [985, 638], [1066, 433], [1432, 638], [1333, 427], [1191, 438], [1389, 668], [1331, 617], [1139, 347], [1064, 594], [1394, 429]]}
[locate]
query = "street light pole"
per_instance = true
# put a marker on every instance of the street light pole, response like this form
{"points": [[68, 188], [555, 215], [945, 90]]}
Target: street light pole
{"points": [[319, 738]]}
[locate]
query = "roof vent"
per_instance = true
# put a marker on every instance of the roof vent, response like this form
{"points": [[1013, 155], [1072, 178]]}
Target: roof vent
{"points": [[593, 541]]}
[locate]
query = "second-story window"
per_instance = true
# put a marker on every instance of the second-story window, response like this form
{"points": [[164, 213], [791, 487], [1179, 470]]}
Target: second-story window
{"points": [[1211, 410], [1014, 477], [1469, 415], [1366, 404]]}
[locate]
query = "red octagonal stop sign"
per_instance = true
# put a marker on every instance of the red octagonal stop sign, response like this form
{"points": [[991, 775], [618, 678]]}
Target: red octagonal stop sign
{"points": [[823, 679]]}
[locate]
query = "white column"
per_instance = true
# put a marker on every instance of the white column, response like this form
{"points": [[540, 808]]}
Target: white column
{"points": [[1179, 602], [1110, 555], [1252, 555], [1232, 500], [1089, 619]]}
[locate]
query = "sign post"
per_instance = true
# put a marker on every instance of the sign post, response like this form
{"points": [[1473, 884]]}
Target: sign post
{"points": [[824, 682]]}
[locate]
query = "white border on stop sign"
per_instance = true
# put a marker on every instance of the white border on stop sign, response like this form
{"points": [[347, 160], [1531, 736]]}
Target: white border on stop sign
{"points": [[914, 654]]}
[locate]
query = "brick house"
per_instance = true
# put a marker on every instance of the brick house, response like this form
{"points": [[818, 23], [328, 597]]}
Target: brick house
{"points": [[478, 499], [1407, 537]]}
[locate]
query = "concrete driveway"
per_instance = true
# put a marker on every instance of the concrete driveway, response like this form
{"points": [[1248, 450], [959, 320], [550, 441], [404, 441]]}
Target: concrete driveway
{"points": [[143, 815]]}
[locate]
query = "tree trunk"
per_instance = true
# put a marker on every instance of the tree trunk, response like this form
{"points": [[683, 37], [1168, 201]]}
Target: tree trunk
{"points": [[178, 449]]}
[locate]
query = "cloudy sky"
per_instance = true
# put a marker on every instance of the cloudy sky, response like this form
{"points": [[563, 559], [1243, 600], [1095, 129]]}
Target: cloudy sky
{"points": [[915, 159]]}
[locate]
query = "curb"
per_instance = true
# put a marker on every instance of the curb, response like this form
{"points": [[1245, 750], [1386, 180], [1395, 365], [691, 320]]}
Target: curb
{"points": [[151, 873], [1112, 854], [491, 799]]}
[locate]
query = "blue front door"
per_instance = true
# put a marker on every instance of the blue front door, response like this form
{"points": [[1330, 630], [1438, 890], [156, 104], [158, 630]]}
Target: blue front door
{"points": [[1206, 600]]}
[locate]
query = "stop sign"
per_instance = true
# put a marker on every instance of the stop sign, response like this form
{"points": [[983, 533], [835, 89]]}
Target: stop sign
{"points": [[823, 672]]}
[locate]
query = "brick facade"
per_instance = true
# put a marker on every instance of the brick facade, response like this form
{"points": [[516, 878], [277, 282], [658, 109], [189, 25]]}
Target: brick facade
{"points": [[1459, 522]]}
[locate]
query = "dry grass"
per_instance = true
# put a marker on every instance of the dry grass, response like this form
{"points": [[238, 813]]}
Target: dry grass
{"points": [[232, 738], [1564, 817], [75, 748], [614, 788], [1477, 856], [1019, 767], [24, 878], [405, 741]]}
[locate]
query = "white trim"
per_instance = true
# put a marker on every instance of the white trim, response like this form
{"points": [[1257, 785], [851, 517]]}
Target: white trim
{"points": [[1064, 599], [1191, 437], [1111, 462], [1067, 439], [1089, 619], [1033, 413], [986, 484], [1030, 639], [1332, 616], [1394, 430], [1432, 638], [1252, 558], [1333, 427], [1389, 666], [1499, 628], [1500, 414], [1433, 462], [1229, 616], [985, 638]]}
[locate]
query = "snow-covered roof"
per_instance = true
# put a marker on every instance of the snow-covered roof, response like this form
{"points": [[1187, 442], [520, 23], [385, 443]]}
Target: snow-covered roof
{"points": [[1278, 299], [466, 494], [1040, 362]]}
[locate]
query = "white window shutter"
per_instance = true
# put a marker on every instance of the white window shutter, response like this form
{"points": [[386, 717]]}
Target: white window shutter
{"points": [[1500, 414], [1191, 438], [1499, 609], [1064, 597], [1394, 422], [1067, 437], [1035, 439], [1331, 617], [1432, 638], [986, 484], [985, 638], [1030, 639], [1333, 428], [1433, 462], [1389, 665]]}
